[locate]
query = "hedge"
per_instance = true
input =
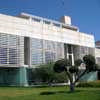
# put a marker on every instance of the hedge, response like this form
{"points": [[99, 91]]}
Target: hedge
{"points": [[89, 84]]}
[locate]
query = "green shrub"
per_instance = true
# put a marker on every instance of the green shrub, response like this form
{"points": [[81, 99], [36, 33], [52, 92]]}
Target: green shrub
{"points": [[89, 84], [44, 74]]}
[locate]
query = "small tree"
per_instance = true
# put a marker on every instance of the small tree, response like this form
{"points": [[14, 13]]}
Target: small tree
{"points": [[64, 65]]}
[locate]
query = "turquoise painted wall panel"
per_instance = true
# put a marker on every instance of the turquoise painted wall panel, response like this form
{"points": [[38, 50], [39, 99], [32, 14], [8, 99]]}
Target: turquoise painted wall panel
{"points": [[9, 76], [92, 76], [23, 77], [13, 77]]}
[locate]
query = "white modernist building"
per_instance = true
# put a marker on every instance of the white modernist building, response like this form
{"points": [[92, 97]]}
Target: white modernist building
{"points": [[27, 41]]}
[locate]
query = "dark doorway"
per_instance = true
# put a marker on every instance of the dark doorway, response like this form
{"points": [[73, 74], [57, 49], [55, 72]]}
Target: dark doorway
{"points": [[26, 50], [98, 75]]}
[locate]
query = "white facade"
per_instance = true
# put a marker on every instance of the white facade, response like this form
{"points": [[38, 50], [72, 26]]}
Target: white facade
{"points": [[55, 40], [40, 30]]}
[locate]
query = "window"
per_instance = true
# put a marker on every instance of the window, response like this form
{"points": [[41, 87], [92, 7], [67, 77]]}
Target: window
{"points": [[37, 53], [36, 19], [46, 22], [3, 55], [12, 56]]}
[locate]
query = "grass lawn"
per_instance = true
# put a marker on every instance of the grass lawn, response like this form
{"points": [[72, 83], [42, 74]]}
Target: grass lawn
{"points": [[55, 93]]}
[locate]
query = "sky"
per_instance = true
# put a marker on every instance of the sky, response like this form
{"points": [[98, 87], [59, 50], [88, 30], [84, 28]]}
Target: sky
{"points": [[85, 14]]}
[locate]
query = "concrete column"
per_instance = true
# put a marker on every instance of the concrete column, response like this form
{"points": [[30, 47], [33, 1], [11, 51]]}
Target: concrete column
{"points": [[72, 55], [43, 41], [43, 51], [30, 52], [72, 59], [23, 77]]}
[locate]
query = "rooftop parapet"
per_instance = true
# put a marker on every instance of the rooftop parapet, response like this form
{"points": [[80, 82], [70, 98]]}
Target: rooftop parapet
{"points": [[64, 24]]}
